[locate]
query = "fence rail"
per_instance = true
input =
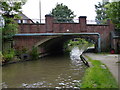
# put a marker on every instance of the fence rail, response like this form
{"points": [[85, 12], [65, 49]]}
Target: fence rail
{"points": [[42, 21], [55, 21]]}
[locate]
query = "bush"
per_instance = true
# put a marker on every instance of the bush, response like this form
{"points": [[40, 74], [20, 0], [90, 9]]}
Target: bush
{"points": [[9, 55], [20, 52], [34, 53], [1, 57]]}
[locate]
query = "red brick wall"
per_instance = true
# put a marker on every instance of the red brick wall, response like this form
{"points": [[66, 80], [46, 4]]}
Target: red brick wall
{"points": [[51, 27], [27, 41], [32, 28]]}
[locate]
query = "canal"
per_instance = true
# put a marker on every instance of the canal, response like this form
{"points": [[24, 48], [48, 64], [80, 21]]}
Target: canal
{"points": [[56, 71]]}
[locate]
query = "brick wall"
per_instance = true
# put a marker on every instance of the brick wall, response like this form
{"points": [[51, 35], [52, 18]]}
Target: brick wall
{"points": [[51, 27]]}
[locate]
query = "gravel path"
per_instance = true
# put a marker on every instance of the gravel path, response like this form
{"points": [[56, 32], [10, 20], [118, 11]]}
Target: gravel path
{"points": [[110, 61]]}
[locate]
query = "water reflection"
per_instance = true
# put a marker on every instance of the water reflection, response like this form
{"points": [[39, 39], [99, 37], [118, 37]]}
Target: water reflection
{"points": [[50, 72], [75, 56]]}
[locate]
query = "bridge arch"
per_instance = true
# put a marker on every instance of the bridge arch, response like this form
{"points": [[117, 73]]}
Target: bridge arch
{"points": [[55, 41]]}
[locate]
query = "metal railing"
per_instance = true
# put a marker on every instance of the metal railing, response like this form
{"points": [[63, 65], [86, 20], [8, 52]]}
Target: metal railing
{"points": [[30, 21], [42, 21], [91, 22], [64, 20], [38, 21]]}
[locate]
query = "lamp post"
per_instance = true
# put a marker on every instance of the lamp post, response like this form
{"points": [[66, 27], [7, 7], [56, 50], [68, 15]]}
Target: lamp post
{"points": [[40, 9], [1, 26]]}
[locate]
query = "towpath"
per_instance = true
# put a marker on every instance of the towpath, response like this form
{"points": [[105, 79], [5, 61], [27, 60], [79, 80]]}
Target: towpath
{"points": [[110, 61]]}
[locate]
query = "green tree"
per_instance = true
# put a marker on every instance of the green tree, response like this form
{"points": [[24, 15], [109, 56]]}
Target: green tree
{"points": [[101, 13], [11, 7], [113, 12], [10, 10], [62, 13]]}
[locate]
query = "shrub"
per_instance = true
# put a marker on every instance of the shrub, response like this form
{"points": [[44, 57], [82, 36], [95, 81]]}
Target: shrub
{"points": [[34, 53], [20, 52], [1, 57], [9, 55], [24, 50]]}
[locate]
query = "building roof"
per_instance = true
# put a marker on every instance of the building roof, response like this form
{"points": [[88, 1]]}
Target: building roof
{"points": [[23, 16]]}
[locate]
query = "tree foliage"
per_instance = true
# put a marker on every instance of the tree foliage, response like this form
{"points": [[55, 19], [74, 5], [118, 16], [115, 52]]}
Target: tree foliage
{"points": [[62, 13], [101, 13], [10, 10], [76, 42], [110, 11], [11, 7], [10, 29], [113, 12]]}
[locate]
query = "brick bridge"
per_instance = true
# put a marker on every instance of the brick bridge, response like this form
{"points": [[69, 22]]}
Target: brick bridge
{"points": [[51, 35]]}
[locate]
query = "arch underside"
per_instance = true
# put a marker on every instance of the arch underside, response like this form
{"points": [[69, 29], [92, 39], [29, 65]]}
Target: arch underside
{"points": [[55, 44]]}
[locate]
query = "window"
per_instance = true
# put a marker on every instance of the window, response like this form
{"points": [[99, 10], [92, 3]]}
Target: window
{"points": [[19, 21], [24, 21]]}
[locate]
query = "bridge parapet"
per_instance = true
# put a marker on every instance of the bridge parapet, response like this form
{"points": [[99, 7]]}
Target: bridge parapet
{"points": [[69, 27]]}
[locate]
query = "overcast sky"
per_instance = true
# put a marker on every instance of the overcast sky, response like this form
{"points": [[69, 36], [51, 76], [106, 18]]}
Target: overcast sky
{"points": [[80, 7]]}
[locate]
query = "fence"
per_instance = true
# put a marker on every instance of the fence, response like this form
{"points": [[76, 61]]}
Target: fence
{"points": [[63, 20]]}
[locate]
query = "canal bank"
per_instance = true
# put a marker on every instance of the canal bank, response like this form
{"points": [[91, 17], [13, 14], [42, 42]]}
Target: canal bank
{"points": [[109, 61], [21, 60]]}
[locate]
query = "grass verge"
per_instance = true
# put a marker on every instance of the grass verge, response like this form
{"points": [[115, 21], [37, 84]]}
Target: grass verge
{"points": [[98, 76]]}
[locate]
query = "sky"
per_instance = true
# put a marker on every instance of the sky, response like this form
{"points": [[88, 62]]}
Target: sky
{"points": [[80, 8]]}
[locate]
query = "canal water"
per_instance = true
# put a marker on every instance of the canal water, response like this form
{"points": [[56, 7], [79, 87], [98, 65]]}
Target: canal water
{"points": [[57, 71]]}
